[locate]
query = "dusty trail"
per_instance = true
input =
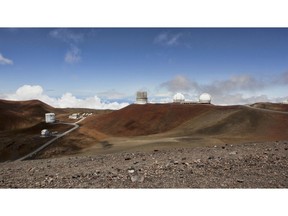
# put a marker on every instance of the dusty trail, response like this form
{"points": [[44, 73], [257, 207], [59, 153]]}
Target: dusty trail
{"points": [[52, 140]]}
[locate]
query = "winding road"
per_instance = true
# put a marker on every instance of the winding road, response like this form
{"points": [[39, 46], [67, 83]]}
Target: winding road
{"points": [[77, 126], [53, 140]]}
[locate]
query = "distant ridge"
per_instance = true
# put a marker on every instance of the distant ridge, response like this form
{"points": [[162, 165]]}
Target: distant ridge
{"points": [[271, 106]]}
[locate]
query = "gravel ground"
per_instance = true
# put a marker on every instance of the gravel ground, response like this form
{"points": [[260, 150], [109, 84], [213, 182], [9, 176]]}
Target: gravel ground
{"points": [[249, 165]]}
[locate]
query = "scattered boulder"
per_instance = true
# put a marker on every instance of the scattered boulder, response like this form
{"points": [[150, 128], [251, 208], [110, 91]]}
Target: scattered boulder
{"points": [[137, 178], [131, 170]]}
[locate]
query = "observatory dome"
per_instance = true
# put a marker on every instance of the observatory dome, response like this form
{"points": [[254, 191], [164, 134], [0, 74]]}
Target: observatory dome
{"points": [[45, 133], [205, 98], [178, 98]]}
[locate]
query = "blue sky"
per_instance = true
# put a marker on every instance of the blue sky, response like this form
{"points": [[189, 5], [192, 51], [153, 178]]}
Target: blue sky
{"points": [[235, 66]]}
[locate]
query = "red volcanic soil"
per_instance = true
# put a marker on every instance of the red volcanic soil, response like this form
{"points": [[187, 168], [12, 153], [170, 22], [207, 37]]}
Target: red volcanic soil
{"points": [[230, 122], [170, 124], [22, 114], [25, 114], [136, 120], [22, 121]]}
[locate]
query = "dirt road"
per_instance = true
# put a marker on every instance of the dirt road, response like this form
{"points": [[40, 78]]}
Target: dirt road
{"points": [[52, 140]]}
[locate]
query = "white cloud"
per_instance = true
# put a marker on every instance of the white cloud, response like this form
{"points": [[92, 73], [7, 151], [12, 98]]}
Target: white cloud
{"points": [[29, 92], [5, 61], [66, 35], [73, 55], [239, 89], [111, 94], [180, 83], [168, 39], [233, 84], [238, 98], [239, 82]]}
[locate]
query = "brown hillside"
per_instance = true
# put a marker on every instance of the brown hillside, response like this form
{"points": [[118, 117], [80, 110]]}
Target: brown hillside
{"points": [[22, 114], [182, 120], [22, 121], [249, 122], [136, 120], [161, 126], [272, 106]]}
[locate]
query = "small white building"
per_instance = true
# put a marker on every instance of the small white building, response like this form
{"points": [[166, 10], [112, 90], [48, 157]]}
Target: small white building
{"points": [[74, 116], [285, 101], [50, 117]]}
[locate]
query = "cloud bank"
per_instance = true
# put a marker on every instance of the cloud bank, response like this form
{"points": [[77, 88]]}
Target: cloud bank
{"points": [[5, 61], [233, 90], [67, 100], [111, 95], [179, 83]]}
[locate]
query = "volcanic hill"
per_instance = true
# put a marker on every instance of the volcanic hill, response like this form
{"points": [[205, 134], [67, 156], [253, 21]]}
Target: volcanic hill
{"points": [[191, 119], [22, 121], [149, 127], [156, 126], [22, 114]]}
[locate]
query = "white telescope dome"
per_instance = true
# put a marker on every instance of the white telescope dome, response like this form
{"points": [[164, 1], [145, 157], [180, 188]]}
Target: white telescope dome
{"points": [[205, 98], [178, 98], [44, 133]]}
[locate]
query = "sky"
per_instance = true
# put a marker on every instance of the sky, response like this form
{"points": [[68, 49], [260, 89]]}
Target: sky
{"points": [[103, 68]]}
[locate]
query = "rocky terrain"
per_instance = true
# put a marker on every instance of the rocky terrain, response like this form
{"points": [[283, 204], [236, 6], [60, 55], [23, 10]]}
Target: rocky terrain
{"points": [[248, 165], [147, 146]]}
